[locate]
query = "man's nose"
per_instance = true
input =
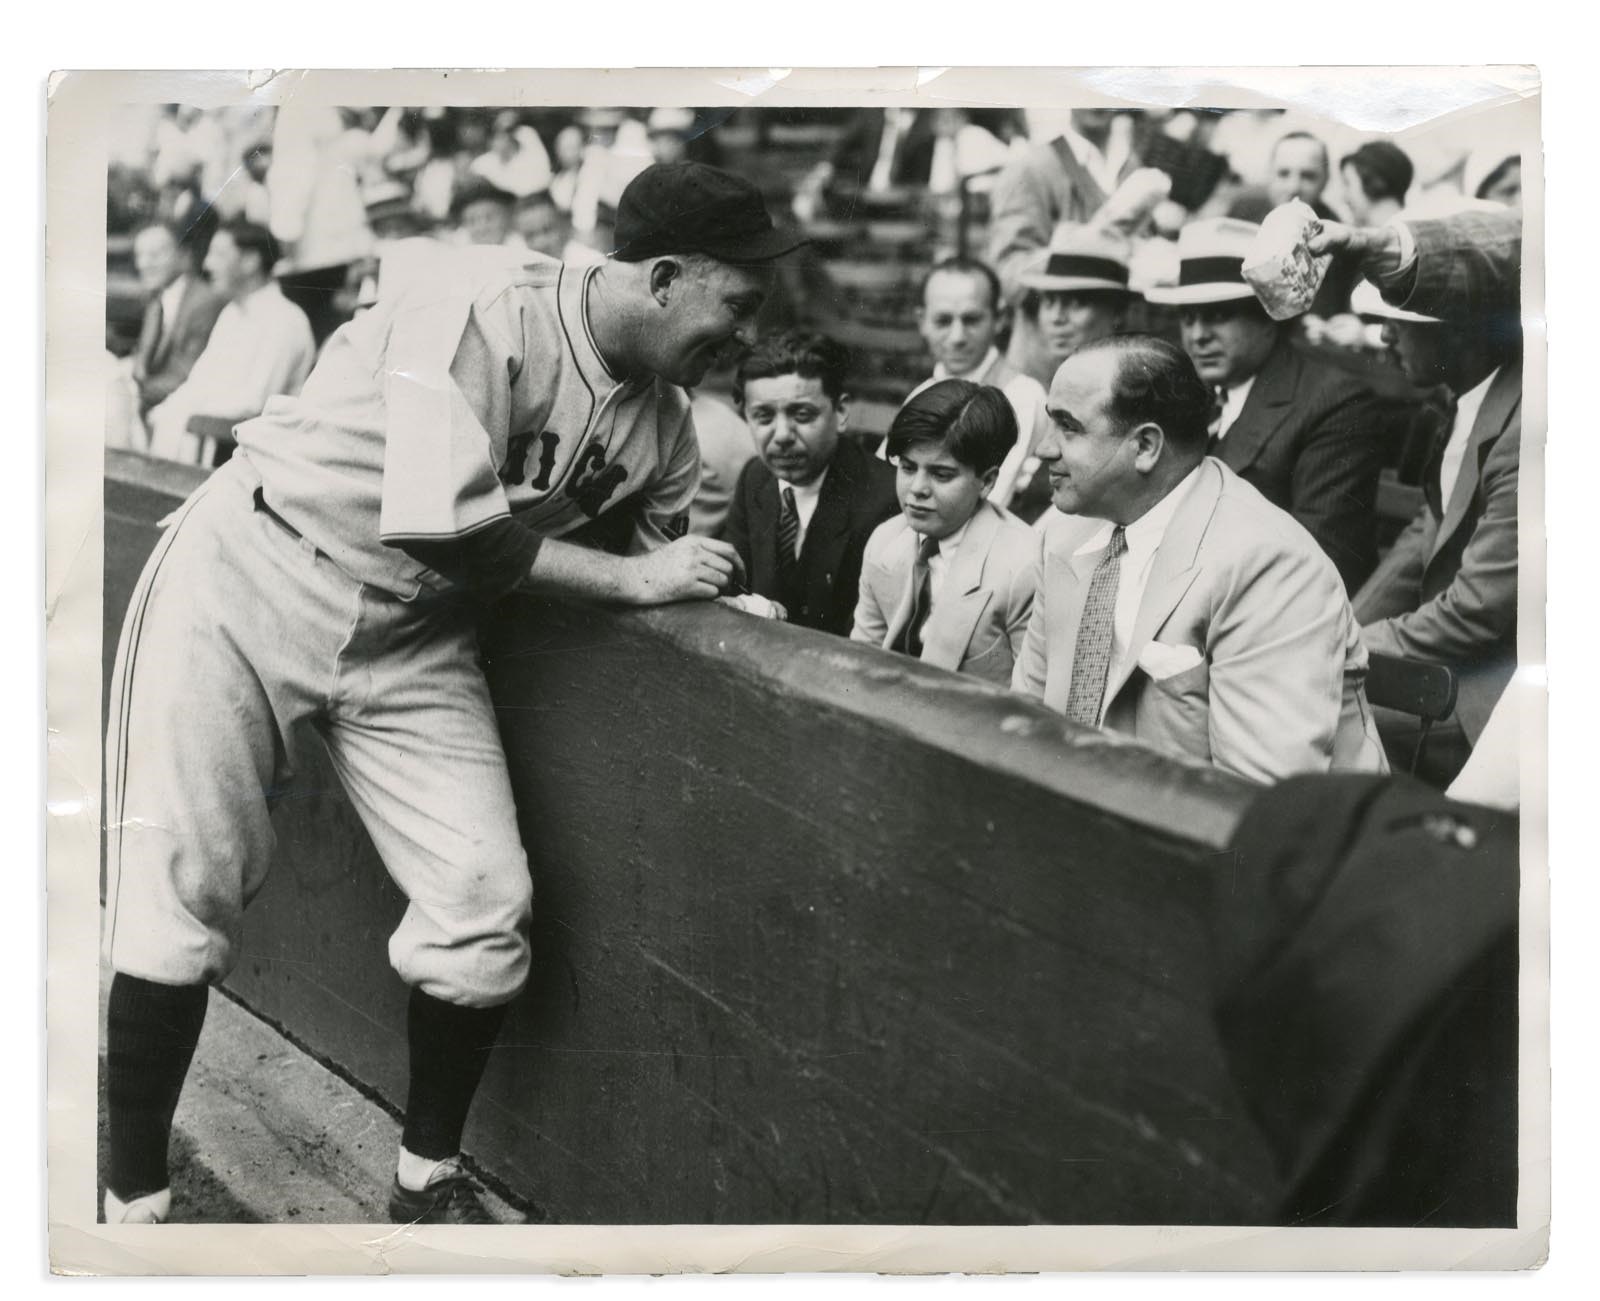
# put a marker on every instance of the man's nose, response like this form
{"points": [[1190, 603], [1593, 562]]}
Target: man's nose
{"points": [[745, 335]]}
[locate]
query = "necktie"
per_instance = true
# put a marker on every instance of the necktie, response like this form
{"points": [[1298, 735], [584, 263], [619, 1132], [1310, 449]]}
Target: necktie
{"points": [[1091, 659], [788, 531], [1219, 398], [156, 327], [921, 600]]}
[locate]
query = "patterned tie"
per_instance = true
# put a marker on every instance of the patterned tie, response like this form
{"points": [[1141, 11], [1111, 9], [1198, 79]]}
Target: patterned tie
{"points": [[788, 532], [910, 639], [1091, 660]]}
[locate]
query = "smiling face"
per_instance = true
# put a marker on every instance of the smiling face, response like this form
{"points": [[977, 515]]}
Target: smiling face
{"points": [[707, 306], [1068, 319], [937, 492], [1089, 460], [1228, 342], [958, 320], [796, 425]]}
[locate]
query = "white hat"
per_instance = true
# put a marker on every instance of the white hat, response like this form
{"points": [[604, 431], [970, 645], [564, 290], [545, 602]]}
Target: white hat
{"points": [[676, 120], [1211, 256], [1081, 258], [1365, 300]]}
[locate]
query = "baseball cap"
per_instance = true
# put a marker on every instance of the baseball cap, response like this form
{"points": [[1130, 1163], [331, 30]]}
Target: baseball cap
{"points": [[694, 208]]}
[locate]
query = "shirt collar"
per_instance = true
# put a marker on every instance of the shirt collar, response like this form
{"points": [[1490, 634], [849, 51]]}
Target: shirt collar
{"points": [[941, 371], [808, 489], [1144, 535], [572, 305], [949, 545]]}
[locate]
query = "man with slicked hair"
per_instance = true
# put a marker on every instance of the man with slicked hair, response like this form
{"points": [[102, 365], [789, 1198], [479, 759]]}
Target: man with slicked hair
{"points": [[1182, 607]]}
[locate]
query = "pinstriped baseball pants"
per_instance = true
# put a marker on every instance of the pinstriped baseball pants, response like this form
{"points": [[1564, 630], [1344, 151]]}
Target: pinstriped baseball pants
{"points": [[238, 630]]}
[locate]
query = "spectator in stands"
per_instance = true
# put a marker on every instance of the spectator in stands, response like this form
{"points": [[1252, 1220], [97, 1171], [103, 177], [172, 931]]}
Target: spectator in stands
{"points": [[1302, 431], [1067, 178], [178, 318], [669, 130], [803, 511], [1077, 295], [569, 144], [950, 580], [544, 228], [318, 215], [1299, 170], [482, 213], [446, 169], [1197, 616], [1376, 178], [1447, 591], [516, 161], [962, 310], [262, 346]]}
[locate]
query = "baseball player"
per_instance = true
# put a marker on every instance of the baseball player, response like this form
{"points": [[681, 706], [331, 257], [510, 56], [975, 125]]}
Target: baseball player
{"points": [[446, 441]]}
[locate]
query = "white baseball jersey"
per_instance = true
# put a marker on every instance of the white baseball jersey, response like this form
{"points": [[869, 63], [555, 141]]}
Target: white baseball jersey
{"points": [[477, 393]]}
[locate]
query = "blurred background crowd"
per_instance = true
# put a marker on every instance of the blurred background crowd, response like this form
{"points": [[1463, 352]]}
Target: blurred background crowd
{"points": [[322, 208]]}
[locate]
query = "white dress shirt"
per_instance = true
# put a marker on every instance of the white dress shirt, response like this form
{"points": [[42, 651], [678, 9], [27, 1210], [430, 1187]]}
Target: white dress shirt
{"points": [[1233, 401], [261, 347], [1143, 538], [805, 504], [939, 562], [1455, 451]]}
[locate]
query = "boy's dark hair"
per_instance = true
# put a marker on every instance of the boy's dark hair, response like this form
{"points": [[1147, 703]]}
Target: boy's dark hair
{"points": [[248, 237], [969, 266], [795, 352], [973, 422]]}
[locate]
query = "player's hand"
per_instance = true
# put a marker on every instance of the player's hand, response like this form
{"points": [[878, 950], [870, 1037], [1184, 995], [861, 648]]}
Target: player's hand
{"points": [[690, 569], [1375, 249]]}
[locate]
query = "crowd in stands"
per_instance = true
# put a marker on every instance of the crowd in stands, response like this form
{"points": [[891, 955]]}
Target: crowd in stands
{"points": [[978, 283]]}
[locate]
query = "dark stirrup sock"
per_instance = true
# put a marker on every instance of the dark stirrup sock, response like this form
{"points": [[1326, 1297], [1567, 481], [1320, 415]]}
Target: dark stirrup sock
{"points": [[450, 1046], [151, 1032]]}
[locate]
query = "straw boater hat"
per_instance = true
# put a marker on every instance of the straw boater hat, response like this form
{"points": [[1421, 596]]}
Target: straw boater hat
{"points": [[1365, 300], [1081, 258], [1211, 256]]}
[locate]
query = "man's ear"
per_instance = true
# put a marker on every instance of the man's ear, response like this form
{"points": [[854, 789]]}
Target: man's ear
{"points": [[1149, 445], [665, 273], [842, 406], [987, 479]]}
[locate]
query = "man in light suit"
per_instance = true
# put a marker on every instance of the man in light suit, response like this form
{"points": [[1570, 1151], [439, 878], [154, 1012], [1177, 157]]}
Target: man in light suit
{"points": [[805, 506], [1197, 617], [950, 580]]}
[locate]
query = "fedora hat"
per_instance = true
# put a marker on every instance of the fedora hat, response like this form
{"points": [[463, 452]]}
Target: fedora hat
{"points": [[1081, 258], [1211, 256], [1365, 300]]}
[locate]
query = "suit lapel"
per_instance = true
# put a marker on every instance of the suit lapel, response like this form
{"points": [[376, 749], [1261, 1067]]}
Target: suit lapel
{"points": [[1500, 404], [905, 564], [831, 520], [1172, 572], [169, 330], [149, 336], [1270, 401], [963, 598]]}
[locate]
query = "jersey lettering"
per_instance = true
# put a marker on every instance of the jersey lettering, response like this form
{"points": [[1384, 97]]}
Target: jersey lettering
{"points": [[517, 459], [594, 481]]}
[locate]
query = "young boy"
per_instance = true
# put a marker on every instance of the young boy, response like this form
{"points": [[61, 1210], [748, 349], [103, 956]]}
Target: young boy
{"points": [[950, 580]]}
